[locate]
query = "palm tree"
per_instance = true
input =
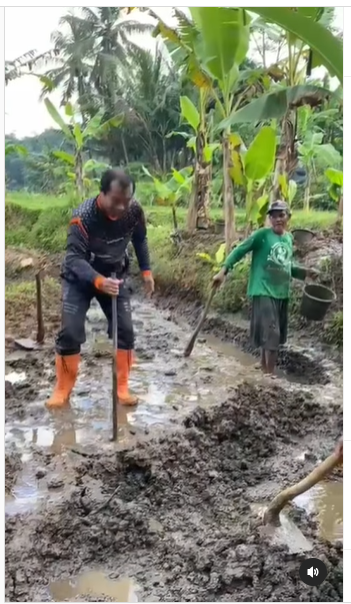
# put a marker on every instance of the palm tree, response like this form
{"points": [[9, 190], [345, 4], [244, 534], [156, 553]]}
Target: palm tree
{"points": [[74, 62], [110, 32], [24, 64], [152, 89]]}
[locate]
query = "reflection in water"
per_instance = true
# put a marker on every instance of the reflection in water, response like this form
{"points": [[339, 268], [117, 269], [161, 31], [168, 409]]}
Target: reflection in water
{"points": [[326, 500], [228, 349], [94, 583]]}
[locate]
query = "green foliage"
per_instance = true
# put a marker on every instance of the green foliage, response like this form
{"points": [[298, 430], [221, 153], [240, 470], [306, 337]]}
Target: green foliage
{"points": [[303, 26], [13, 149], [224, 41], [334, 333], [251, 169], [275, 105], [217, 261], [189, 112], [336, 180], [24, 292], [259, 158], [288, 189]]}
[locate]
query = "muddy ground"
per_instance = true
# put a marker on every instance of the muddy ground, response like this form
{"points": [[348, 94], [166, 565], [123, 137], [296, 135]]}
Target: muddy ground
{"points": [[210, 443]]}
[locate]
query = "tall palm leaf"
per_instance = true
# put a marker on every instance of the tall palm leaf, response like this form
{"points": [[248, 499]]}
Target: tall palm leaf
{"points": [[24, 64]]}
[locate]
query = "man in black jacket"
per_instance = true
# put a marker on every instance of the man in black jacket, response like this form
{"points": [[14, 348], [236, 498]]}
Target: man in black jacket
{"points": [[98, 236]]}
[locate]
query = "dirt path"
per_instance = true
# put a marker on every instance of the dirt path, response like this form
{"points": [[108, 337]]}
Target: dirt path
{"points": [[208, 445]]}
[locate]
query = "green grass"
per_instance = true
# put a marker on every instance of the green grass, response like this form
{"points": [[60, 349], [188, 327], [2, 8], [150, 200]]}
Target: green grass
{"points": [[334, 333], [162, 215], [25, 291], [33, 201]]}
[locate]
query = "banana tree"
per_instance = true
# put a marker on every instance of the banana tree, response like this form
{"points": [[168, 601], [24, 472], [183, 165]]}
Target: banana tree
{"points": [[198, 210], [251, 170], [222, 46], [182, 43], [308, 24], [91, 171], [312, 151], [336, 192], [308, 44], [170, 192], [79, 136]]}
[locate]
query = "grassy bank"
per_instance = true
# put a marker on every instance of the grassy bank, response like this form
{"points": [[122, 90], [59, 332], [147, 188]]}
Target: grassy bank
{"points": [[39, 222]]}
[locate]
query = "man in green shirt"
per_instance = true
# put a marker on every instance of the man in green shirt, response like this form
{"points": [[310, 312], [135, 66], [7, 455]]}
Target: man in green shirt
{"points": [[272, 269]]}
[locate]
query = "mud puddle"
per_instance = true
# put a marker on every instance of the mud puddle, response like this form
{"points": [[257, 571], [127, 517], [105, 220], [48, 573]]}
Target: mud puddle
{"points": [[180, 525], [94, 583], [168, 386], [232, 350], [323, 503]]}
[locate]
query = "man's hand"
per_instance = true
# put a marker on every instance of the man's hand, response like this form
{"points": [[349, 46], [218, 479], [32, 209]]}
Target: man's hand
{"points": [[110, 286], [149, 285], [219, 279]]}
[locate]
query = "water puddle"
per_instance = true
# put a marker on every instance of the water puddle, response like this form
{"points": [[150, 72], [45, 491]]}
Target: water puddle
{"points": [[326, 501], [15, 377], [94, 583], [230, 350]]}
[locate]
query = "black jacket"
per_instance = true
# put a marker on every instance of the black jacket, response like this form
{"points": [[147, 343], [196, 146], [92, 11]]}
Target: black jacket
{"points": [[97, 245]]}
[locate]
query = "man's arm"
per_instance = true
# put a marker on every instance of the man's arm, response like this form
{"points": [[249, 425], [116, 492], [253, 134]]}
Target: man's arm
{"points": [[77, 251], [140, 244], [298, 272], [241, 250]]}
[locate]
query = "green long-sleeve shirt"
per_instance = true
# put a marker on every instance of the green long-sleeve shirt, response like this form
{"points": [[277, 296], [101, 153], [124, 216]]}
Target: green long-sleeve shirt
{"points": [[272, 266]]}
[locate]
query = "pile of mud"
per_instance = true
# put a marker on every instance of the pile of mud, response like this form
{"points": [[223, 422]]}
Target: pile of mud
{"points": [[181, 523], [20, 393], [13, 465]]}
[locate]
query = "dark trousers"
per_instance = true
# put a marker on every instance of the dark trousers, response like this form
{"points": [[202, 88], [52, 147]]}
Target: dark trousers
{"points": [[269, 322], [76, 299]]}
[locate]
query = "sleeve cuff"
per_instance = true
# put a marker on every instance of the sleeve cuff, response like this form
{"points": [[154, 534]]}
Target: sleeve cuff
{"points": [[99, 282]]}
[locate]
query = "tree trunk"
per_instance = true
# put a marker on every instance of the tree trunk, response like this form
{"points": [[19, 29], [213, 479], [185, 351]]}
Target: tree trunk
{"points": [[164, 155], [306, 198], [198, 212], [124, 149], [78, 168], [228, 193], [341, 207], [174, 216], [286, 159]]}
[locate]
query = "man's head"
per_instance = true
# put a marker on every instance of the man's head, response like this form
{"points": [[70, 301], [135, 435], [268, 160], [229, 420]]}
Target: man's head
{"points": [[117, 189], [279, 214]]}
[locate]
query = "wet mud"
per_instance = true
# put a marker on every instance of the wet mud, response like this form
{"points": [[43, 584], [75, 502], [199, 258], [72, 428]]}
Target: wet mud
{"points": [[210, 443], [297, 360]]}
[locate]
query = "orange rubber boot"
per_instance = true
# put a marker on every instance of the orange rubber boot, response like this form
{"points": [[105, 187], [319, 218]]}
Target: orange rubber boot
{"points": [[66, 375], [124, 363]]}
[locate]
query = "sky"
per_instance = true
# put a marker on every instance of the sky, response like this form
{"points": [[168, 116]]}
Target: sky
{"points": [[28, 28]]}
